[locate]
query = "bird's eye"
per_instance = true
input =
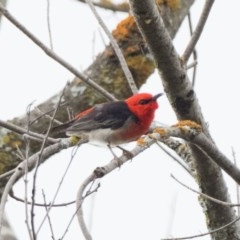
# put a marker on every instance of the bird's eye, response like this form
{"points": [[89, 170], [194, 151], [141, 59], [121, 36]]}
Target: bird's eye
{"points": [[144, 101]]}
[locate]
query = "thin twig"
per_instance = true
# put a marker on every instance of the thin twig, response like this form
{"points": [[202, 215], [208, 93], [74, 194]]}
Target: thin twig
{"points": [[194, 51], [58, 189], [25, 179], [198, 31], [88, 193], [49, 25], [11, 194], [174, 158], [22, 131], [205, 234], [48, 217], [37, 165], [109, 5], [237, 186], [192, 65], [7, 174], [45, 115], [116, 48], [205, 195], [56, 57], [79, 202]]}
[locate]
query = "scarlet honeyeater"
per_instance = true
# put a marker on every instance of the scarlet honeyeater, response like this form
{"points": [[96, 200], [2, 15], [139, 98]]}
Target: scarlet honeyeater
{"points": [[114, 123]]}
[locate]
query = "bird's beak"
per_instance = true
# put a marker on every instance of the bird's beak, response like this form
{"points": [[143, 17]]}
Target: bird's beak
{"points": [[155, 97]]}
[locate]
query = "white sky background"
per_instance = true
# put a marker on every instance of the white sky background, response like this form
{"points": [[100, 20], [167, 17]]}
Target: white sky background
{"points": [[137, 201]]}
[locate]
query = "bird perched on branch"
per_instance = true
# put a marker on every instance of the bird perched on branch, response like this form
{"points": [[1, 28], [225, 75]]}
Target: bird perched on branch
{"points": [[113, 123]]}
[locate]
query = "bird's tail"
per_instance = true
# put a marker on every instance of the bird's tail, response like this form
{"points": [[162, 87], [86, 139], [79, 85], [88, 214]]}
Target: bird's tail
{"points": [[60, 130]]}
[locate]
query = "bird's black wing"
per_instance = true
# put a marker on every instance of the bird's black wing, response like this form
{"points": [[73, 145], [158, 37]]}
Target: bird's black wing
{"points": [[107, 115]]}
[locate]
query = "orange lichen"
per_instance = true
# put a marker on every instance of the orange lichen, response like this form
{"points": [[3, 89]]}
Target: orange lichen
{"points": [[141, 141], [124, 28], [172, 4], [160, 131], [188, 123]]}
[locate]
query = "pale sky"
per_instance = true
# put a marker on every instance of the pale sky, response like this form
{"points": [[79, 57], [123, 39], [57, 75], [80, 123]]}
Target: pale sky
{"points": [[140, 200]]}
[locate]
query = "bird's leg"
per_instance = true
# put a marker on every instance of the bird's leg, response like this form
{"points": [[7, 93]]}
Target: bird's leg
{"points": [[127, 153], [116, 158]]}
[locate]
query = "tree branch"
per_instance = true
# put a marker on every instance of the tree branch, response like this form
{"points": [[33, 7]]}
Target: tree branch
{"points": [[109, 5], [198, 31], [116, 48]]}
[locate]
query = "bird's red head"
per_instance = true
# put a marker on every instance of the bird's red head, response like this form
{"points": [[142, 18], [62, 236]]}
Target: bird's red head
{"points": [[143, 105]]}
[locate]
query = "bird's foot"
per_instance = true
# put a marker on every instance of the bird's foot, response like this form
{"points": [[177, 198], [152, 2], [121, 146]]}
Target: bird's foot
{"points": [[118, 161], [116, 158], [126, 153]]}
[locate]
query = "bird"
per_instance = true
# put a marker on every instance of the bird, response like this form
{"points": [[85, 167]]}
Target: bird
{"points": [[113, 123]]}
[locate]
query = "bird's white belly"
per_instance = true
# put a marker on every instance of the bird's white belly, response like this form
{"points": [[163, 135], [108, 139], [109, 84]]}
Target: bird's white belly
{"points": [[100, 137]]}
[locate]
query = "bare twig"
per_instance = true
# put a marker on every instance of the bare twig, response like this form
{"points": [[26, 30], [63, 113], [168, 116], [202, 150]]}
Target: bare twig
{"points": [[43, 114], [192, 65], [205, 234], [56, 57], [88, 193], [25, 179], [79, 202], [11, 194], [7, 174], [194, 51], [237, 186], [182, 150], [58, 189], [109, 5], [22, 131], [48, 217], [206, 196], [175, 159], [37, 165], [116, 48], [198, 31], [49, 25]]}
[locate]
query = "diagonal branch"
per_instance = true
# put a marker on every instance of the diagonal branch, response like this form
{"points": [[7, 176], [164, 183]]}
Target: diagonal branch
{"points": [[198, 31], [22, 131], [116, 48], [109, 5], [206, 196]]}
